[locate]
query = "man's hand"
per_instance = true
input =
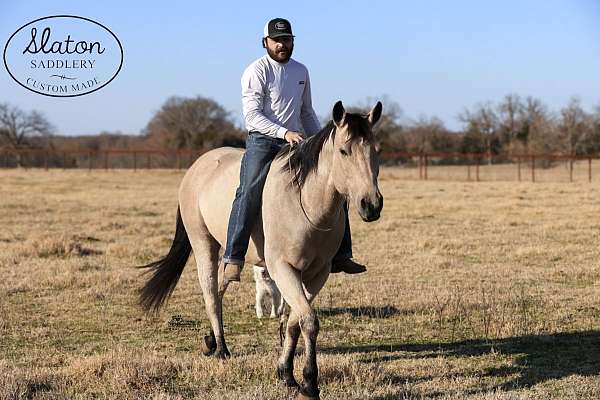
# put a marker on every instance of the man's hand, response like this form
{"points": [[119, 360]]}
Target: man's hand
{"points": [[294, 137]]}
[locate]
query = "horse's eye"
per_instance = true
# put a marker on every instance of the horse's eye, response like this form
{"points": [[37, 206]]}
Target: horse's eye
{"points": [[343, 152]]}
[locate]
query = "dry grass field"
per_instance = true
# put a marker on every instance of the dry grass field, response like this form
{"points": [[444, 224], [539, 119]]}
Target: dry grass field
{"points": [[485, 290]]}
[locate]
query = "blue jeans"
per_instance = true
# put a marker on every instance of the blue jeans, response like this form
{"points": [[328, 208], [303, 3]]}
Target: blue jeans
{"points": [[260, 152]]}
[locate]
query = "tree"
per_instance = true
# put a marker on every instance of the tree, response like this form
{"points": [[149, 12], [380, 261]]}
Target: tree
{"points": [[429, 135], [539, 128], [389, 128], [591, 143], [511, 113], [574, 127], [191, 123], [17, 126], [482, 124]]}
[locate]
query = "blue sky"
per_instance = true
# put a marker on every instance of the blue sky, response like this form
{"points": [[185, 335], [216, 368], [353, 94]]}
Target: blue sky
{"points": [[431, 57]]}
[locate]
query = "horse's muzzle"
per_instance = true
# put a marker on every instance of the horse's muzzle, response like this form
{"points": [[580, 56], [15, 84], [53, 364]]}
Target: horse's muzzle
{"points": [[370, 209]]}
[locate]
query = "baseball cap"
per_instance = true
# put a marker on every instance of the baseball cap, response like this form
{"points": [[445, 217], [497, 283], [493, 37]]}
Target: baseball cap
{"points": [[277, 27]]}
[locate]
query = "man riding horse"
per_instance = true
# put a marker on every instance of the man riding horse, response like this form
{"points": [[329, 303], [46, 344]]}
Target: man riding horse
{"points": [[301, 227], [277, 106]]}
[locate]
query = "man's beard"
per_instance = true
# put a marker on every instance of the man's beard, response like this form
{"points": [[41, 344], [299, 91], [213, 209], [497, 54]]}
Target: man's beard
{"points": [[280, 58]]}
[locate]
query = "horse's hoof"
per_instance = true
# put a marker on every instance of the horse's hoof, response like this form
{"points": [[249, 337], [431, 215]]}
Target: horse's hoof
{"points": [[223, 355], [305, 394], [208, 345], [291, 383], [287, 378]]}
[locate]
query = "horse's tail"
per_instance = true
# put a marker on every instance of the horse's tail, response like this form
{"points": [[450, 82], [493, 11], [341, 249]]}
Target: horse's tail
{"points": [[166, 271]]}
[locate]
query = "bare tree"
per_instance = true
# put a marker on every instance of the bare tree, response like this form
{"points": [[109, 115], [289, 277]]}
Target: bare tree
{"points": [[17, 126], [389, 127], [510, 113], [429, 135], [539, 127], [191, 123], [595, 121], [574, 127], [483, 123]]}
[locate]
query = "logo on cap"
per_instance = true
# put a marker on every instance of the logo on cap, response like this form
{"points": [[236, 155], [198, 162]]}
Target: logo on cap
{"points": [[280, 26]]}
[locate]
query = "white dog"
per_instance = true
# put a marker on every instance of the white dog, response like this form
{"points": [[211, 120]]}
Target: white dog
{"points": [[265, 289]]}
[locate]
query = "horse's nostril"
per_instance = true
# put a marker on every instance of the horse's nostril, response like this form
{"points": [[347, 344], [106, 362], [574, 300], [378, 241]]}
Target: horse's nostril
{"points": [[363, 203]]}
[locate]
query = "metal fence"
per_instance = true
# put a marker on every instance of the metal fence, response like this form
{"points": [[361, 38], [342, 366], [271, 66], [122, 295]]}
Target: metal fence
{"points": [[98, 159], [524, 166]]}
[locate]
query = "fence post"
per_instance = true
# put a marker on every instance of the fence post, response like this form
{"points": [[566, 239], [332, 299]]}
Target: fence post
{"points": [[519, 167], [571, 169], [590, 169], [90, 160], [178, 159], [425, 166], [420, 166], [532, 168], [106, 160], [134, 161], [46, 160], [477, 169]]}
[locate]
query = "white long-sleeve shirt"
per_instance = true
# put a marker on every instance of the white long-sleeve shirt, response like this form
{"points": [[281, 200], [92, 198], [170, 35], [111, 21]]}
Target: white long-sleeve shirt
{"points": [[276, 98]]}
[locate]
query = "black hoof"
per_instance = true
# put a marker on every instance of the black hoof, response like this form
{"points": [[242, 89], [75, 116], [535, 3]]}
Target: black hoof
{"points": [[306, 394], [208, 345], [222, 354]]}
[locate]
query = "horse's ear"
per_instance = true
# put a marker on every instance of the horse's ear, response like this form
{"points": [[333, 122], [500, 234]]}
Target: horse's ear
{"points": [[375, 113], [339, 114]]}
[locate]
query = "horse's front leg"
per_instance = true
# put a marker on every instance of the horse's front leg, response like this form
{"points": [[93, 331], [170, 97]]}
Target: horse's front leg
{"points": [[310, 329], [302, 316], [285, 367], [309, 326]]}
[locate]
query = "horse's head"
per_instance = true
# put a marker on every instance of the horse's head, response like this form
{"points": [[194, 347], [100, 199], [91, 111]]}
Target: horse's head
{"points": [[355, 160]]}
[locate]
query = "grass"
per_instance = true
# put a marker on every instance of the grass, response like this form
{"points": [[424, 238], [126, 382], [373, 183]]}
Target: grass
{"points": [[484, 290]]}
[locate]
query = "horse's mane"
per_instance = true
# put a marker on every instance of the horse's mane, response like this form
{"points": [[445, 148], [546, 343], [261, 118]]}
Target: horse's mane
{"points": [[303, 158]]}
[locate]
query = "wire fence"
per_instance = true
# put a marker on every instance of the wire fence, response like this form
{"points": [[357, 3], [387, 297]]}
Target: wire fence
{"points": [[424, 166]]}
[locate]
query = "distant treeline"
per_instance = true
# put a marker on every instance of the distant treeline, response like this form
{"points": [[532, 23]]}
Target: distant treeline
{"points": [[509, 127]]}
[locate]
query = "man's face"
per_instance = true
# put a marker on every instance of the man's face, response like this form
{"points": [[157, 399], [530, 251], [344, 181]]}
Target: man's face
{"points": [[280, 49]]}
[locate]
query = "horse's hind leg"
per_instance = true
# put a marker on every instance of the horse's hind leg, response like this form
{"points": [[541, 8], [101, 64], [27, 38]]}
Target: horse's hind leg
{"points": [[206, 252]]}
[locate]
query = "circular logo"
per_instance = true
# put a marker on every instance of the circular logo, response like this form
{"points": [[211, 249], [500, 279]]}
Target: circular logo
{"points": [[63, 56], [280, 26]]}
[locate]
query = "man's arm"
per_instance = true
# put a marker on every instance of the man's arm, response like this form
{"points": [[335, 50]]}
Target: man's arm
{"points": [[309, 119], [253, 94]]}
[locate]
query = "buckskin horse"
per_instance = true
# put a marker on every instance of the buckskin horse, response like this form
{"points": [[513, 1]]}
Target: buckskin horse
{"points": [[297, 234]]}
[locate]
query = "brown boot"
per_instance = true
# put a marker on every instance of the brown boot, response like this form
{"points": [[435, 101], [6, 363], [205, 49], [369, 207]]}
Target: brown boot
{"points": [[348, 266], [232, 273]]}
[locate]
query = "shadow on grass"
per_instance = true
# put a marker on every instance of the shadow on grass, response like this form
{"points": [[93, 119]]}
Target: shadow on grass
{"points": [[538, 358], [365, 311]]}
